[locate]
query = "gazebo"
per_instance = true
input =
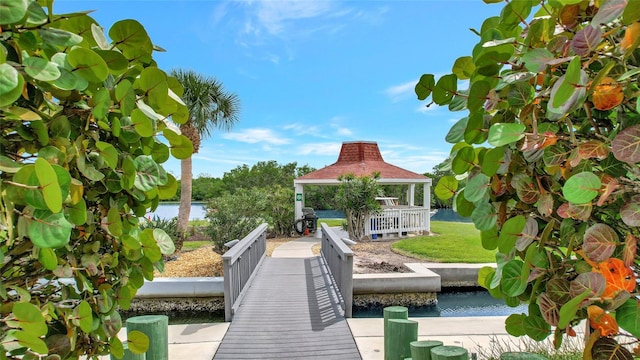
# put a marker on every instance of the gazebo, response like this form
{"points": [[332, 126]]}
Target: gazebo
{"points": [[363, 158]]}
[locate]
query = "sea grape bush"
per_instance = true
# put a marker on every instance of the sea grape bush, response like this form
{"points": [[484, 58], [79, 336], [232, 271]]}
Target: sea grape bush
{"points": [[549, 145], [83, 133]]}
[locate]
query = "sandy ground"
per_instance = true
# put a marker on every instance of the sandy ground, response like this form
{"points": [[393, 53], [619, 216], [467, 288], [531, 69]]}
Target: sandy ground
{"points": [[369, 257]]}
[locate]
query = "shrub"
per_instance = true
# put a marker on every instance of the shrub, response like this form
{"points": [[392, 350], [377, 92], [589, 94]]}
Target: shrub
{"points": [[280, 210], [357, 198], [551, 149], [79, 165]]}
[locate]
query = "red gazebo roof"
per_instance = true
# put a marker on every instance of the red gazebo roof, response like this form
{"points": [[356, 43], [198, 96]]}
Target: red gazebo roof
{"points": [[362, 158]]}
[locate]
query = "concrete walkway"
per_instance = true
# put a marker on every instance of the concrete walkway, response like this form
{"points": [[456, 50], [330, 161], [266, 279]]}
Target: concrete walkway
{"points": [[299, 248]]}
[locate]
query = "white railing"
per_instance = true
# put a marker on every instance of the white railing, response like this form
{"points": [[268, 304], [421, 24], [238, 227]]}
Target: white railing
{"points": [[339, 260], [240, 264], [398, 221]]}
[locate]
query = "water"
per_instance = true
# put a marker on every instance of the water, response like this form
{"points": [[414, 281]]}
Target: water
{"points": [[181, 317], [170, 210], [454, 304], [330, 214], [449, 215]]}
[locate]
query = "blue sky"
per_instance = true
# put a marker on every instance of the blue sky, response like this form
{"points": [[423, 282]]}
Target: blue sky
{"points": [[311, 74]]}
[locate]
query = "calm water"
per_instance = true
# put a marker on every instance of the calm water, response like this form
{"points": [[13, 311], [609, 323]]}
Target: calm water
{"points": [[449, 215], [455, 304], [168, 211]]}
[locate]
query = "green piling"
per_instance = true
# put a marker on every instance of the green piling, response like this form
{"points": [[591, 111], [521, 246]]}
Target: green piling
{"points": [[392, 312], [449, 353], [128, 355], [156, 327], [401, 333], [516, 355], [421, 350]]}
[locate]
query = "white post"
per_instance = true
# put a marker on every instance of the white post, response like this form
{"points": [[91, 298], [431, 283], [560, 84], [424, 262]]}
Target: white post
{"points": [[299, 190], [427, 205], [412, 194]]}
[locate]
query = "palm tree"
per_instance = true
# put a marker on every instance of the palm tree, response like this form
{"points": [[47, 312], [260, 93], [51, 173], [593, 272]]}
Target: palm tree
{"points": [[210, 107]]}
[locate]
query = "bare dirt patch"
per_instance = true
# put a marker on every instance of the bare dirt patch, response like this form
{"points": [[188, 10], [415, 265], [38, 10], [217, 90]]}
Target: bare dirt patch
{"points": [[369, 257]]}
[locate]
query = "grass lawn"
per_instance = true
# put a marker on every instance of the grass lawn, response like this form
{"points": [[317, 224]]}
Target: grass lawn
{"points": [[192, 245], [331, 222], [453, 242]]}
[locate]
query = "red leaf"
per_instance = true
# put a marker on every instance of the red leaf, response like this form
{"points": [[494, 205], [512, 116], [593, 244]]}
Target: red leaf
{"points": [[626, 145], [609, 185], [629, 250], [586, 40], [593, 149]]}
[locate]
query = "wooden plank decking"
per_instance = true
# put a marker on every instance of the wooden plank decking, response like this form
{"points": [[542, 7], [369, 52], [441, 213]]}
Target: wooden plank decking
{"points": [[291, 311]]}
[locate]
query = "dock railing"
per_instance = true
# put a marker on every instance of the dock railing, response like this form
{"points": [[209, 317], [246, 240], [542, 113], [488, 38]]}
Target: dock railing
{"points": [[398, 220], [240, 264], [339, 259]]}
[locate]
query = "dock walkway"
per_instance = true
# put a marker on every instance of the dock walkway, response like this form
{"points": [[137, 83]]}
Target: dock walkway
{"points": [[291, 311]]}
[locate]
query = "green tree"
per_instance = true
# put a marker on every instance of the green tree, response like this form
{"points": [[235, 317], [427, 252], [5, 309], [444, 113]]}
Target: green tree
{"points": [[264, 174], [357, 198], [81, 121], [550, 144], [210, 107], [206, 187]]}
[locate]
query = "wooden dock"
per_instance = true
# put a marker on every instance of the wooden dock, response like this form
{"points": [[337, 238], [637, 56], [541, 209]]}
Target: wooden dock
{"points": [[290, 311]]}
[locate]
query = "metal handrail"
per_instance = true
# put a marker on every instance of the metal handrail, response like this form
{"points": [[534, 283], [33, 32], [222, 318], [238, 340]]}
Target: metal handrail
{"points": [[240, 264], [339, 260]]}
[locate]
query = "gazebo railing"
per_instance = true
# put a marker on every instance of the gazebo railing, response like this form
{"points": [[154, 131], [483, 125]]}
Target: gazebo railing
{"points": [[398, 221]]}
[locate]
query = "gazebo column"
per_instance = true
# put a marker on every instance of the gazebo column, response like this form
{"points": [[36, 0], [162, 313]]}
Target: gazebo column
{"points": [[299, 190], [411, 194], [427, 205]]}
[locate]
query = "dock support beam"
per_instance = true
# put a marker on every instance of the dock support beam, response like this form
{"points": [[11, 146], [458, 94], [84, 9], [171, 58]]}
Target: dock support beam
{"points": [[156, 327]]}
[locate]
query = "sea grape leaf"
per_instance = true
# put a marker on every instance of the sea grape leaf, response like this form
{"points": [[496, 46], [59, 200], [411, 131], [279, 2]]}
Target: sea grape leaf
{"points": [[606, 348], [492, 160], [505, 133], [514, 324], [31, 341], [527, 235], [484, 216], [570, 308], [445, 88], [591, 281], [478, 95], [626, 145], [463, 160], [446, 187], [13, 11], [475, 132], [41, 69], [548, 309], [577, 96], [489, 238], [47, 257], [477, 188], [628, 316], [631, 12], [630, 212], [526, 189], [536, 327], [520, 94], [137, 342], [164, 241], [30, 318], [116, 348], [509, 233], [599, 242], [132, 38], [462, 206], [568, 83], [536, 60], [512, 284], [456, 133], [88, 64], [48, 180], [608, 11], [83, 317], [51, 231], [581, 188], [593, 149], [586, 40], [147, 173]]}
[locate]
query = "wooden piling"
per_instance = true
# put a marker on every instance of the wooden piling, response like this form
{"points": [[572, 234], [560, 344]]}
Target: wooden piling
{"points": [[392, 312], [517, 355], [449, 353], [401, 333], [421, 350], [156, 327]]}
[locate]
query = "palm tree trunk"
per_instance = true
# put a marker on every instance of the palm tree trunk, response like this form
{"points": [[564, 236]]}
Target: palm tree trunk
{"points": [[185, 199]]}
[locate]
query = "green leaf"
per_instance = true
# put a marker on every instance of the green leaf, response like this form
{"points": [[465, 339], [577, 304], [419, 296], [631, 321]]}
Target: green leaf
{"points": [[463, 160], [109, 154], [131, 37], [164, 241], [83, 317], [88, 64], [49, 182], [475, 132], [536, 60], [101, 103], [41, 69], [628, 316], [568, 83], [78, 212], [463, 68], [492, 160], [511, 282], [515, 324], [142, 124], [150, 248], [114, 222], [581, 188], [626, 145], [489, 238], [147, 173], [137, 342], [520, 94], [13, 11], [168, 190], [59, 37], [505, 133], [462, 206], [32, 342], [477, 188], [116, 348], [509, 233], [52, 231], [484, 216], [47, 257], [446, 87], [153, 82], [536, 328], [30, 318], [578, 94], [568, 310], [446, 187], [116, 62], [425, 86], [8, 165], [11, 83], [160, 152], [456, 133], [478, 95], [631, 12]]}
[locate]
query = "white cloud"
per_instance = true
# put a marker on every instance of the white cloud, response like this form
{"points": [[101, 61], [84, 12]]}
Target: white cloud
{"points": [[257, 135], [275, 17], [344, 131], [325, 149], [401, 91], [302, 129]]}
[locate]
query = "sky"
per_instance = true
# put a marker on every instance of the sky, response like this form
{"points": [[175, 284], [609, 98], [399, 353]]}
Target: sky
{"points": [[311, 74]]}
